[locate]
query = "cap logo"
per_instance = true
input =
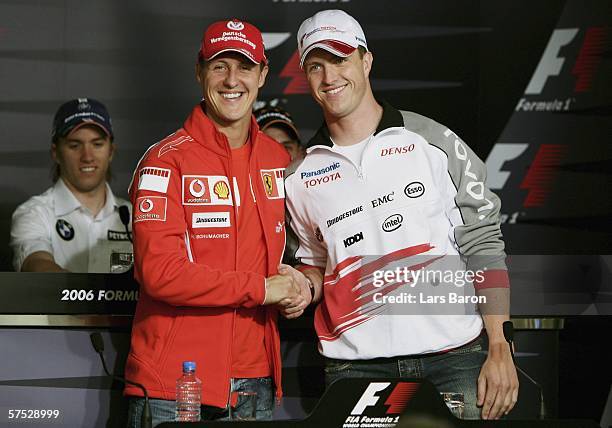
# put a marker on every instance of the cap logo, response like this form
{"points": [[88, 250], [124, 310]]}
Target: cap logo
{"points": [[83, 105], [235, 25]]}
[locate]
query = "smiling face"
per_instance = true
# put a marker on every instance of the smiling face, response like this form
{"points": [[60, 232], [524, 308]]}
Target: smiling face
{"points": [[84, 157], [338, 84], [230, 83]]}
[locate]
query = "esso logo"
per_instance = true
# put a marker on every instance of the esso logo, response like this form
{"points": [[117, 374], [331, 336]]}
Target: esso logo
{"points": [[195, 185], [235, 25], [414, 189], [146, 205]]}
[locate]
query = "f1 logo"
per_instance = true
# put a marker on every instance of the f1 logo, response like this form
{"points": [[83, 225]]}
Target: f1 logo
{"points": [[369, 397], [550, 63], [396, 401]]}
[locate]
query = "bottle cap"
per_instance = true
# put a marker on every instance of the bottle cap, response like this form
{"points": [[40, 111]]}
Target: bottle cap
{"points": [[189, 366]]}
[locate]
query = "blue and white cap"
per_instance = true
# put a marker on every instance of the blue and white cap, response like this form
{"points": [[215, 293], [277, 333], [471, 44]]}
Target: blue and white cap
{"points": [[79, 112]]}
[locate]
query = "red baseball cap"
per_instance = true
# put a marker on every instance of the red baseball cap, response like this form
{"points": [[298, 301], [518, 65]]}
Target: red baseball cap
{"points": [[236, 36]]}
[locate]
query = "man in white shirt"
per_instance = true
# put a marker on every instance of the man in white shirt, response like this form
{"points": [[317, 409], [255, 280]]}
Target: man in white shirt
{"points": [[382, 189], [75, 225]]}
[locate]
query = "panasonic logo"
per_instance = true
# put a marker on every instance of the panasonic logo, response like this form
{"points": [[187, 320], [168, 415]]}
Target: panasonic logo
{"points": [[393, 222], [334, 166]]}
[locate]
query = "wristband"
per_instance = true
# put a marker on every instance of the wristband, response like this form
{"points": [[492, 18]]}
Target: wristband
{"points": [[312, 290]]}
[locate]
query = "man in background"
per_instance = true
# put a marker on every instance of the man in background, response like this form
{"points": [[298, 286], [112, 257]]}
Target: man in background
{"points": [[277, 123], [75, 225]]}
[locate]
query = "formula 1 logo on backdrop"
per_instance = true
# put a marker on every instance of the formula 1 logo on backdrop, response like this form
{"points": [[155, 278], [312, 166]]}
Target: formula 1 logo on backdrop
{"points": [[556, 62], [370, 410], [539, 178]]}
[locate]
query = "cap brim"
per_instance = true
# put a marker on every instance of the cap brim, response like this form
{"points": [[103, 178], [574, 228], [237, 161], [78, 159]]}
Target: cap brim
{"points": [[264, 59], [334, 47], [85, 123], [277, 122]]}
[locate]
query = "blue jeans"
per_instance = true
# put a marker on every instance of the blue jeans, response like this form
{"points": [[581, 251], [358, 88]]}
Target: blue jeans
{"points": [[453, 371], [164, 410]]}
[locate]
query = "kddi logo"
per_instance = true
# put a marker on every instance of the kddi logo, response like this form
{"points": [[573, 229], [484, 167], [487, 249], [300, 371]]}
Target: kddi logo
{"points": [[353, 239]]}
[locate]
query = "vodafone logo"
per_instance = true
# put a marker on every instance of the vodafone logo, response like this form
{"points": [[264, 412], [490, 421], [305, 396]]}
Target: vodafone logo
{"points": [[206, 190], [150, 208], [197, 188], [146, 205]]}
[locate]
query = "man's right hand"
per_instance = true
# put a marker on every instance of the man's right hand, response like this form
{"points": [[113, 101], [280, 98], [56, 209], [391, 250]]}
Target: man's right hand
{"points": [[281, 287]]}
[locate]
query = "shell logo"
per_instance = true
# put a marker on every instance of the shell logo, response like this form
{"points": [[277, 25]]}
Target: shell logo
{"points": [[221, 190]]}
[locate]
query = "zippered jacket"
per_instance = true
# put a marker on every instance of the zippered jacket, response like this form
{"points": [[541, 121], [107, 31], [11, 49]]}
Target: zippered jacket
{"points": [[185, 242], [418, 193]]}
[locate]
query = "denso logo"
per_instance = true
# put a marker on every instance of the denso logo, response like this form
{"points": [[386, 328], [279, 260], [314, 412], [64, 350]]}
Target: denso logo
{"points": [[475, 188], [353, 239], [334, 166], [325, 179], [383, 200], [396, 150], [393, 222], [414, 189]]}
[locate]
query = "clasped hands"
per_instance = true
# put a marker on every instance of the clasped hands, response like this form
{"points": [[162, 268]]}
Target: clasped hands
{"points": [[289, 290]]}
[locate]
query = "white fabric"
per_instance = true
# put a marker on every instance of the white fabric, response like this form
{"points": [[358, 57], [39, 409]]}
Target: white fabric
{"points": [[331, 199], [34, 229]]}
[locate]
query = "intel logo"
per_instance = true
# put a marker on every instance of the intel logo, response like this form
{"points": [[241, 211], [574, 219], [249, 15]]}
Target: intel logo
{"points": [[392, 223], [414, 189]]}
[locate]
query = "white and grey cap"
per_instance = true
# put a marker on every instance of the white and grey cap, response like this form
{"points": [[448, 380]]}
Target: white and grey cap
{"points": [[333, 30]]}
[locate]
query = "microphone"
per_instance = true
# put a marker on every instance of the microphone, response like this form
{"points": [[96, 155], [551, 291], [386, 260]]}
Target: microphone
{"points": [[124, 216], [98, 345], [508, 328]]}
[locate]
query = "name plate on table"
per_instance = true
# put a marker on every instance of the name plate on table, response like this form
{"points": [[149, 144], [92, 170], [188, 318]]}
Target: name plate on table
{"points": [[68, 293]]}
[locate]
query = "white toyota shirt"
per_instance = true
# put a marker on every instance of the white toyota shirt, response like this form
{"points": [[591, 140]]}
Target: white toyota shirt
{"points": [[56, 222]]}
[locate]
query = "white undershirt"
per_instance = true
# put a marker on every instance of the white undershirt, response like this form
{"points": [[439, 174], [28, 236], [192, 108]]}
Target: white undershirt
{"points": [[355, 151]]}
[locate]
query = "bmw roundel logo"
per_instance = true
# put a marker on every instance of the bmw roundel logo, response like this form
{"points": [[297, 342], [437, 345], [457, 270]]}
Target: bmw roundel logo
{"points": [[64, 229]]}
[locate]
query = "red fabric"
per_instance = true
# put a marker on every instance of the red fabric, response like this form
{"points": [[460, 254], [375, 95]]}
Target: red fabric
{"points": [[495, 278], [233, 35], [190, 284], [248, 351]]}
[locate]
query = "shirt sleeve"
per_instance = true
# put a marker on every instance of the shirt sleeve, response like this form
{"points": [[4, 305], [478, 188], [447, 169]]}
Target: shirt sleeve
{"points": [[163, 260], [30, 232], [472, 208], [309, 250]]}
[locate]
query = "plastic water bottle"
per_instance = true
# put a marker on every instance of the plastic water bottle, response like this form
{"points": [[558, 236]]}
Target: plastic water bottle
{"points": [[188, 394]]}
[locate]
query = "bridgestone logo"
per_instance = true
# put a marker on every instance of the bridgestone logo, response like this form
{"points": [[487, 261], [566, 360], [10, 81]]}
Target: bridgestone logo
{"points": [[325, 170], [344, 215], [211, 220]]}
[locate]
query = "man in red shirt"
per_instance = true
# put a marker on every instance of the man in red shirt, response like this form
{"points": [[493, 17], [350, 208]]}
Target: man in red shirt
{"points": [[209, 234]]}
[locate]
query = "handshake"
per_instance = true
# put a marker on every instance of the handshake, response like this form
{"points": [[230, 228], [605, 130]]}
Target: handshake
{"points": [[289, 290]]}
